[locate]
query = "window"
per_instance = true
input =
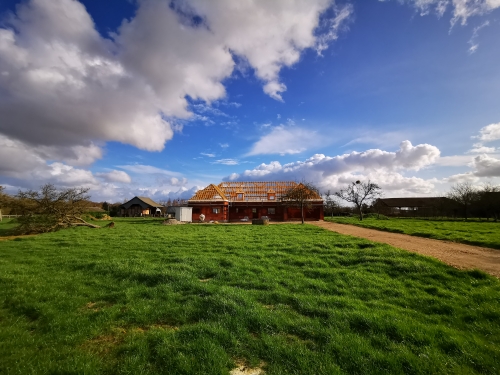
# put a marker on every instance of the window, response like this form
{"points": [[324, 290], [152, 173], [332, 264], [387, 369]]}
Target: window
{"points": [[254, 210], [271, 197], [236, 210], [271, 211], [215, 210], [239, 196], [196, 210]]}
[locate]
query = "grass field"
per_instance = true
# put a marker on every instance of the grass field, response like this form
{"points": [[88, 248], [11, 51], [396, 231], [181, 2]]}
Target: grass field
{"points": [[143, 298], [470, 232]]}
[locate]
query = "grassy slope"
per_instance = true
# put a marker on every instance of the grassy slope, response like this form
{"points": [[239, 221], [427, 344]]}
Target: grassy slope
{"points": [[303, 300], [470, 232]]}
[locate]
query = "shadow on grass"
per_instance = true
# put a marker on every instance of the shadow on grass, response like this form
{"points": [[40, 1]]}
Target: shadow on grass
{"points": [[7, 227]]}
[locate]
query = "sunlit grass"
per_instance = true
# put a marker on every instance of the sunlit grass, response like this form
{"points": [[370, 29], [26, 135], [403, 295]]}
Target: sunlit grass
{"points": [[143, 298], [470, 232]]}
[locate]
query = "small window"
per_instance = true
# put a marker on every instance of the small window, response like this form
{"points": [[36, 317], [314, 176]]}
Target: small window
{"points": [[239, 196], [254, 210], [271, 197], [271, 211], [215, 210], [236, 210]]}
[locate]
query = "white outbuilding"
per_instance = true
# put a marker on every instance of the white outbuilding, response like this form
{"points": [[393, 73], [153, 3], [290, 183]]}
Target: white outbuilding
{"points": [[184, 214]]}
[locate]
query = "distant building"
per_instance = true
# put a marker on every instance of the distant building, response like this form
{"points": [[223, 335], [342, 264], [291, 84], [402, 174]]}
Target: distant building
{"points": [[140, 206], [241, 201], [419, 206]]}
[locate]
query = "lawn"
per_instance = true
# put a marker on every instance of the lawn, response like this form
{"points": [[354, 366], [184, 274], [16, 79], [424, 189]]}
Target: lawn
{"points": [[143, 298], [481, 233]]}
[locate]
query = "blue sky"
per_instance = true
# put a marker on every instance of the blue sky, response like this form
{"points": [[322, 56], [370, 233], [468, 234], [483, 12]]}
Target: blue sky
{"points": [[161, 98]]}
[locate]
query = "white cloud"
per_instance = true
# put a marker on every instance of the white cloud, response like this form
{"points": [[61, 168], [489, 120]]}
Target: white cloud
{"points": [[178, 181], [207, 155], [478, 148], [380, 166], [62, 85], [462, 9], [474, 45], [224, 145], [66, 88], [115, 176], [489, 133], [286, 140], [227, 162], [147, 169], [453, 161], [462, 177], [486, 166]]}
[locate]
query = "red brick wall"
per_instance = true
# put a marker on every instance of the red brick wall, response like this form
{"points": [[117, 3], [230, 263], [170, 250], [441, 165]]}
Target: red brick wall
{"points": [[207, 210]]}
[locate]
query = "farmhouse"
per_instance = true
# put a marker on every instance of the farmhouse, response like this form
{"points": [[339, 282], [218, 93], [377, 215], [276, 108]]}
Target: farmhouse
{"points": [[140, 206], [240, 201]]}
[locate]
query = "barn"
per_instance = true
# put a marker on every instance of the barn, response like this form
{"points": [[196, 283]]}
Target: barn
{"points": [[417, 207], [241, 201], [140, 206]]}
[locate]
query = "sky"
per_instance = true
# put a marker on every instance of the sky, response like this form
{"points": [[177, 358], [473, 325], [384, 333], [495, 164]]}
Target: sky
{"points": [[161, 98]]}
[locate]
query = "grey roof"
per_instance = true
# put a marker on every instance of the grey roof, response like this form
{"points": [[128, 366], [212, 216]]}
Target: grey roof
{"points": [[144, 202]]}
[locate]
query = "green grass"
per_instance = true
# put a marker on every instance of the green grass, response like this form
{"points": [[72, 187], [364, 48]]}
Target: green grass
{"points": [[484, 233], [6, 226], [143, 298]]}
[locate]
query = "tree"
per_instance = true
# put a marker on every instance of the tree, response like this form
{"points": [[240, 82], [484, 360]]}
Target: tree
{"points": [[464, 194], [301, 196], [105, 206], [330, 203], [489, 201], [359, 193], [51, 209], [4, 200]]}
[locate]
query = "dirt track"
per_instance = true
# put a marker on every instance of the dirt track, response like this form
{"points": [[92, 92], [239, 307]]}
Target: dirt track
{"points": [[455, 254]]}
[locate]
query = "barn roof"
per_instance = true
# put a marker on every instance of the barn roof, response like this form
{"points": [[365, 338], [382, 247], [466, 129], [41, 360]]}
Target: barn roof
{"points": [[142, 201], [413, 202], [252, 190]]}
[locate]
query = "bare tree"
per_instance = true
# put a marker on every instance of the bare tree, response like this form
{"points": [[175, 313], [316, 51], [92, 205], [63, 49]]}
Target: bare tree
{"points": [[330, 203], [359, 193], [464, 194], [51, 209], [301, 196]]}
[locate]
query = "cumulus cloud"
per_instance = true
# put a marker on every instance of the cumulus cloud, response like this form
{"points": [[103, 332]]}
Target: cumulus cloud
{"points": [[329, 172], [489, 133], [66, 88], [61, 85], [286, 140], [275, 33], [115, 176], [462, 9], [486, 166]]}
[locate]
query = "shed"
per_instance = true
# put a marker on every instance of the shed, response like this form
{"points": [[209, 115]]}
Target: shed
{"points": [[181, 213]]}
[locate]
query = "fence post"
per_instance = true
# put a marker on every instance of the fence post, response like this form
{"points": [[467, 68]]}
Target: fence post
{"points": [[0, 214]]}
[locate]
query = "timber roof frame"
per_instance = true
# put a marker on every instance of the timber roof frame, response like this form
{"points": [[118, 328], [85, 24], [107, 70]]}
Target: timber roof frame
{"points": [[253, 191]]}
